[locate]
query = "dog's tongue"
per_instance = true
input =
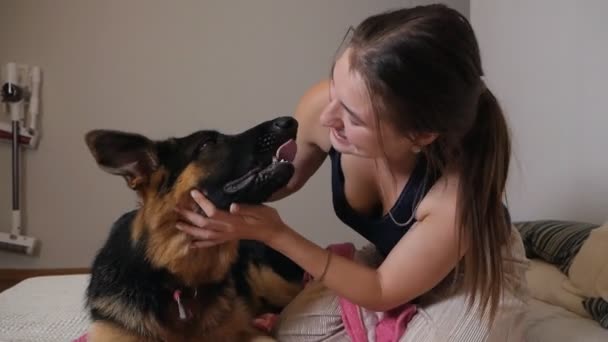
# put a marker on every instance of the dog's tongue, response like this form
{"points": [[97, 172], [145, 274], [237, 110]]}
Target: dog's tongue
{"points": [[287, 151]]}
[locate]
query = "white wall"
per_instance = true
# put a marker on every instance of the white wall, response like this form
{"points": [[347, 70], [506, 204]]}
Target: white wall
{"points": [[160, 68], [547, 61]]}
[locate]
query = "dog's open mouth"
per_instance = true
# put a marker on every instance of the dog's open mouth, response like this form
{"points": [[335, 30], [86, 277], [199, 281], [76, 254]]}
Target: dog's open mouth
{"points": [[267, 177]]}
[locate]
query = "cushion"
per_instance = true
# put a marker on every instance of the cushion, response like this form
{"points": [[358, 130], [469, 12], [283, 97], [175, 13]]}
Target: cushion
{"points": [[545, 282], [598, 309], [554, 241], [588, 274], [580, 251]]}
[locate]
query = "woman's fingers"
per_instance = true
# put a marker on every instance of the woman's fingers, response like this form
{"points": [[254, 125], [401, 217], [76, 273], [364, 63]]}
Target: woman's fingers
{"points": [[199, 233], [206, 243], [208, 208], [201, 221], [194, 218], [252, 211]]}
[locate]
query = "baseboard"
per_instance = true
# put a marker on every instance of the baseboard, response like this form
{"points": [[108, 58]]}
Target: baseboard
{"points": [[10, 277]]}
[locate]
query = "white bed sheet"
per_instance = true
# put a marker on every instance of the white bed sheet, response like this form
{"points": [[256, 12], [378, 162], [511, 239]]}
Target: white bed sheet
{"points": [[51, 309], [48, 309]]}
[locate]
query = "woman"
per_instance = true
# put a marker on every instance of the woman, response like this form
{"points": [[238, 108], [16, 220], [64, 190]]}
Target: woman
{"points": [[419, 150]]}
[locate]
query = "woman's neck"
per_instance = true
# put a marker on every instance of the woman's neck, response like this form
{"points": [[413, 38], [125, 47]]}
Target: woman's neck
{"points": [[393, 174], [400, 166]]}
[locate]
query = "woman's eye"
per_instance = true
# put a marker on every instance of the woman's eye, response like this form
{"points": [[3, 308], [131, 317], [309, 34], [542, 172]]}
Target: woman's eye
{"points": [[354, 121]]}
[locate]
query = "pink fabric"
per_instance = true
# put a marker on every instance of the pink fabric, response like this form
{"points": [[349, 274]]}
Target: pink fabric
{"points": [[351, 317], [394, 324], [82, 338], [266, 322], [389, 329], [353, 323]]}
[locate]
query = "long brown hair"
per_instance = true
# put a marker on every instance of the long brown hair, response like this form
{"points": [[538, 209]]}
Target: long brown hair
{"points": [[423, 72]]}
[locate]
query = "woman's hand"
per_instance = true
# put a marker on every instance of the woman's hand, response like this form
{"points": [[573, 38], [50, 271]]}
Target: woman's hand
{"points": [[259, 222]]}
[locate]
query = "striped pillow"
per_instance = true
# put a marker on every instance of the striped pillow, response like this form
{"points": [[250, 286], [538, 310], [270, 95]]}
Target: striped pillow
{"points": [[554, 241], [598, 309]]}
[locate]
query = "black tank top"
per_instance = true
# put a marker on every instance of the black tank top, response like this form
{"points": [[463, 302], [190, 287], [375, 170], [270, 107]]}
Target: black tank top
{"points": [[381, 230]]}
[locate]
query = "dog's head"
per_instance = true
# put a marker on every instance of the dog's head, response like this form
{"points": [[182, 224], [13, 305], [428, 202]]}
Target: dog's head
{"points": [[247, 167]]}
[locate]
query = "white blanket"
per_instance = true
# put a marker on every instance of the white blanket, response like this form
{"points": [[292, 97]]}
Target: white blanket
{"points": [[45, 309], [49, 309]]}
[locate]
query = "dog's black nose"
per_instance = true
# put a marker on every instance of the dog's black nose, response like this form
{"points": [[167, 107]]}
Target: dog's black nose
{"points": [[285, 122]]}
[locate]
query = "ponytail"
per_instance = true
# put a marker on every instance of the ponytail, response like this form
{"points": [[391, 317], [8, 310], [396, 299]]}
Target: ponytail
{"points": [[486, 151]]}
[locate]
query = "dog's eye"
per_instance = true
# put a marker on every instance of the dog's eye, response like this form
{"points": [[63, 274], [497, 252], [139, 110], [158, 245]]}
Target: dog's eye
{"points": [[206, 143]]}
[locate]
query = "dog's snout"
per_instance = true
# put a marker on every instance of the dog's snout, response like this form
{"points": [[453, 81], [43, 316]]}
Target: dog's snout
{"points": [[283, 123]]}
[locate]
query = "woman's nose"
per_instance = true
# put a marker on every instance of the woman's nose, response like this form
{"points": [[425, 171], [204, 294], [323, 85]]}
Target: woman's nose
{"points": [[330, 116]]}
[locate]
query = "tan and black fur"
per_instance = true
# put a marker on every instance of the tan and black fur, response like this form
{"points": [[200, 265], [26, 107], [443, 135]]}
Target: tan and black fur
{"points": [[146, 259]]}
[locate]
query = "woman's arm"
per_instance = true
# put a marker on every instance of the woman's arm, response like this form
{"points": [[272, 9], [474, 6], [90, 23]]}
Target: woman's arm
{"points": [[423, 257]]}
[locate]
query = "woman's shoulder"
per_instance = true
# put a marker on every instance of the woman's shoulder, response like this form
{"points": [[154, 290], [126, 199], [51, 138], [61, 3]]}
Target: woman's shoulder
{"points": [[308, 112], [442, 198]]}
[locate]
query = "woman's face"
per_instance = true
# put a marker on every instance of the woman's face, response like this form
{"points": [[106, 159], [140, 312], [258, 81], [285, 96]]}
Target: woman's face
{"points": [[349, 115]]}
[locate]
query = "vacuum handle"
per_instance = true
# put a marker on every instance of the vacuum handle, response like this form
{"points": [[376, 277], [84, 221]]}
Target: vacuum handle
{"points": [[16, 161], [13, 94]]}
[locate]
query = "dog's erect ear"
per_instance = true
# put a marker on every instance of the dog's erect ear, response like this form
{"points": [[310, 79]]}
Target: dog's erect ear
{"points": [[130, 155]]}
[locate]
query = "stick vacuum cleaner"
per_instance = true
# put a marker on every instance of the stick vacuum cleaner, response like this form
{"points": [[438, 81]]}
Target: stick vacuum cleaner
{"points": [[15, 96]]}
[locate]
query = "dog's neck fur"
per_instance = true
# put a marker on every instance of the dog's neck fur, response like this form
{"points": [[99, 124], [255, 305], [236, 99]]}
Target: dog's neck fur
{"points": [[168, 248]]}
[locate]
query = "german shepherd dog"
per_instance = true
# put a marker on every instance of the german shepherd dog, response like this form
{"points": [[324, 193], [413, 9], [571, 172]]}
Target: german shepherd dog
{"points": [[146, 283]]}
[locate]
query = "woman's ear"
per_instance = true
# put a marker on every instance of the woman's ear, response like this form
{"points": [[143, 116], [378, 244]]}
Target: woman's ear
{"points": [[424, 139], [421, 140]]}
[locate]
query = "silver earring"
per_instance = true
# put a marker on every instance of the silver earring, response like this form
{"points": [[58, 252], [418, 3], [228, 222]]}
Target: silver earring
{"points": [[416, 149]]}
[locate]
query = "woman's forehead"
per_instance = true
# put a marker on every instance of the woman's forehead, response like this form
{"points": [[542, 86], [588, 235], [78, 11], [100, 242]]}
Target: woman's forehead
{"points": [[350, 88]]}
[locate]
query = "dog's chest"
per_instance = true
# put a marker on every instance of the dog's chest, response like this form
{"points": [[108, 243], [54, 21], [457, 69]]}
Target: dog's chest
{"points": [[199, 309]]}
